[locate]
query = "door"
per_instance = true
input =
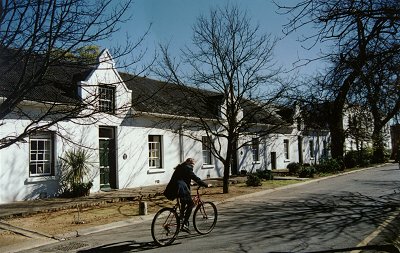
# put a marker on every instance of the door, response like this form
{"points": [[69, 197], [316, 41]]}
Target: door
{"points": [[300, 149], [107, 155], [273, 160]]}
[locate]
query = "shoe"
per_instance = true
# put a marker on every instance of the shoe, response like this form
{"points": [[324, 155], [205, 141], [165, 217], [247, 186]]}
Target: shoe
{"points": [[185, 228]]}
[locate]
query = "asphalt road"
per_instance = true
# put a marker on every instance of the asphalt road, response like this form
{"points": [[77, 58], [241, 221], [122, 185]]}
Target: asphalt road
{"points": [[331, 215]]}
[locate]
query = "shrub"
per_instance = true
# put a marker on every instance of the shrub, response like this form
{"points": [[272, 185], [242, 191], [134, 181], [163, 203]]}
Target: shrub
{"points": [[307, 172], [76, 190], [350, 159], [253, 180], [265, 174], [358, 158], [294, 168], [328, 166], [75, 167]]}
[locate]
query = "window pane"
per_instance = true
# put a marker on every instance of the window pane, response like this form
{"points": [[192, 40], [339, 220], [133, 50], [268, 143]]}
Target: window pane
{"points": [[41, 154], [286, 148], [155, 160], [206, 150], [106, 99]]}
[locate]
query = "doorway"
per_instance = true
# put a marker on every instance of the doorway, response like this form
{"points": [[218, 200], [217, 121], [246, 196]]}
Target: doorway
{"points": [[107, 155], [273, 160]]}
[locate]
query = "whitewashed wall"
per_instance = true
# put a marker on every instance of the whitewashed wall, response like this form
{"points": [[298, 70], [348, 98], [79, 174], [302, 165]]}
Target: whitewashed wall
{"points": [[132, 131]]}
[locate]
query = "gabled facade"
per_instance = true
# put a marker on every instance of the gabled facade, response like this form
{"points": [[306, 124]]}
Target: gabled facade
{"points": [[136, 138]]}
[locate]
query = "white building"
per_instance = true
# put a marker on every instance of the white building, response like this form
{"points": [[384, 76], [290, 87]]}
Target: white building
{"points": [[136, 139]]}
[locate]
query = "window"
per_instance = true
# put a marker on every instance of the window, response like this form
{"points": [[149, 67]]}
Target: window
{"points": [[106, 99], [286, 148], [311, 144], [206, 147], [41, 154], [155, 161], [255, 149]]}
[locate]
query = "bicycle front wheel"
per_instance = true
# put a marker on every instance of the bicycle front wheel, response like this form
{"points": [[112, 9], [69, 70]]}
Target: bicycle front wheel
{"points": [[165, 226], [205, 217]]}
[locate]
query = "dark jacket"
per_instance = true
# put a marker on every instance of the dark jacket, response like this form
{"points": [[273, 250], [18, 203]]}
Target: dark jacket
{"points": [[179, 185]]}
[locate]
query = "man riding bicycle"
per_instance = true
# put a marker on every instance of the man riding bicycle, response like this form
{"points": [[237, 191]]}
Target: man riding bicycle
{"points": [[180, 185]]}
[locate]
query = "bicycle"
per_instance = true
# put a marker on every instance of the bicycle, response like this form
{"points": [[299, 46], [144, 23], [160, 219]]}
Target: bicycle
{"points": [[167, 221]]}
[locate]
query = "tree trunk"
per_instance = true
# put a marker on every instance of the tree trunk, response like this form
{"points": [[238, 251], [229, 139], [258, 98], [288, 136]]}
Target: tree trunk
{"points": [[227, 166], [225, 188], [337, 135], [378, 155]]}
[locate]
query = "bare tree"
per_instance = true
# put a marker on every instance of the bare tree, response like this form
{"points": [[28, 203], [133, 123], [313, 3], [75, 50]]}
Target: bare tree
{"points": [[232, 60], [358, 32], [41, 41]]}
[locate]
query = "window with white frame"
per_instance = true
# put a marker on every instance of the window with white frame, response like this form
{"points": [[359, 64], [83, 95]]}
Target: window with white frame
{"points": [[311, 144], [41, 154], [206, 148], [106, 99], [255, 149], [155, 151], [286, 148]]}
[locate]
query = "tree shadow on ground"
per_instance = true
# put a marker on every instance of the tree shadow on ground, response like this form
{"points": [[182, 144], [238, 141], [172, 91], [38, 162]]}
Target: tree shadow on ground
{"points": [[126, 246], [313, 222], [131, 246]]}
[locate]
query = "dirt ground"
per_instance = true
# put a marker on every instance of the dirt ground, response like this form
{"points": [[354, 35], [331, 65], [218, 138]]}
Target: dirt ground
{"points": [[59, 223]]}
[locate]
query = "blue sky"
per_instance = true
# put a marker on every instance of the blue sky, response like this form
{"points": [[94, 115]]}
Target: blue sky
{"points": [[172, 22]]}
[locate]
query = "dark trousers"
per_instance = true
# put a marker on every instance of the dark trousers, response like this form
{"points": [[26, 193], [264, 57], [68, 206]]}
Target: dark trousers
{"points": [[186, 209]]}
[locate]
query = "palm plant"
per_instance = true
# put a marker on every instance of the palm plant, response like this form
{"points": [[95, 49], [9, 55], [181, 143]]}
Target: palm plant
{"points": [[76, 167]]}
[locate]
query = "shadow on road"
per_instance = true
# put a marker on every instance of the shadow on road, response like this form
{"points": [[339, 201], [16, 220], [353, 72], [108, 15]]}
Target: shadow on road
{"points": [[131, 246], [315, 221], [127, 246]]}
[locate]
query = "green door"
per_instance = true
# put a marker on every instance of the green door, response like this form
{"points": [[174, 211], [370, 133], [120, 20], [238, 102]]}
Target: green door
{"points": [[107, 158]]}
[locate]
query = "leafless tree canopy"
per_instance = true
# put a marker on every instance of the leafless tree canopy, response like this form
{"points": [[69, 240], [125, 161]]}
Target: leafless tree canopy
{"points": [[41, 41], [230, 57]]}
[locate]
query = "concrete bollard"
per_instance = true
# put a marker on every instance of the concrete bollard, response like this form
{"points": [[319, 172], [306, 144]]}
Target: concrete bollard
{"points": [[142, 208]]}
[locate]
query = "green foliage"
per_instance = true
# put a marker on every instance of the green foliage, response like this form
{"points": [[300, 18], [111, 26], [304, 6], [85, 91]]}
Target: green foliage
{"points": [[356, 158], [307, 171], [294, 168], [77, 190], [329, 166], [351, 159], [265, 174], [86, 54], [75, 166], [253, 180]]}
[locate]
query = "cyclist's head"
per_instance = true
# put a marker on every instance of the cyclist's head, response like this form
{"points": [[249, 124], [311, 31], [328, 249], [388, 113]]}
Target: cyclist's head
{"points": [[190, 161]]}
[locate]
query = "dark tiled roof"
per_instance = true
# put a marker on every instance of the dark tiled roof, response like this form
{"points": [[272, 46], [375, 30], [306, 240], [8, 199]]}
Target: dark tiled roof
{"points": [[57, 84], [256, 112], [153, 96]]}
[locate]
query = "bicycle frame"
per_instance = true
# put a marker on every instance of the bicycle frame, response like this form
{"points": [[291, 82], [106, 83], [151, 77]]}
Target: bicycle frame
{"points": [[196, 200], [165, 228]]}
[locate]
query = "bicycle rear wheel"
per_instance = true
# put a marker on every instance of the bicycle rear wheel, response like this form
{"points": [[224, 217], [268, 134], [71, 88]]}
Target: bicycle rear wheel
{"points": [[205, 217], [165, 226]]}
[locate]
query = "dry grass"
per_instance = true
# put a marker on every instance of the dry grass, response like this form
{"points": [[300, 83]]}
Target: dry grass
{"points": [[65, 221]]}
